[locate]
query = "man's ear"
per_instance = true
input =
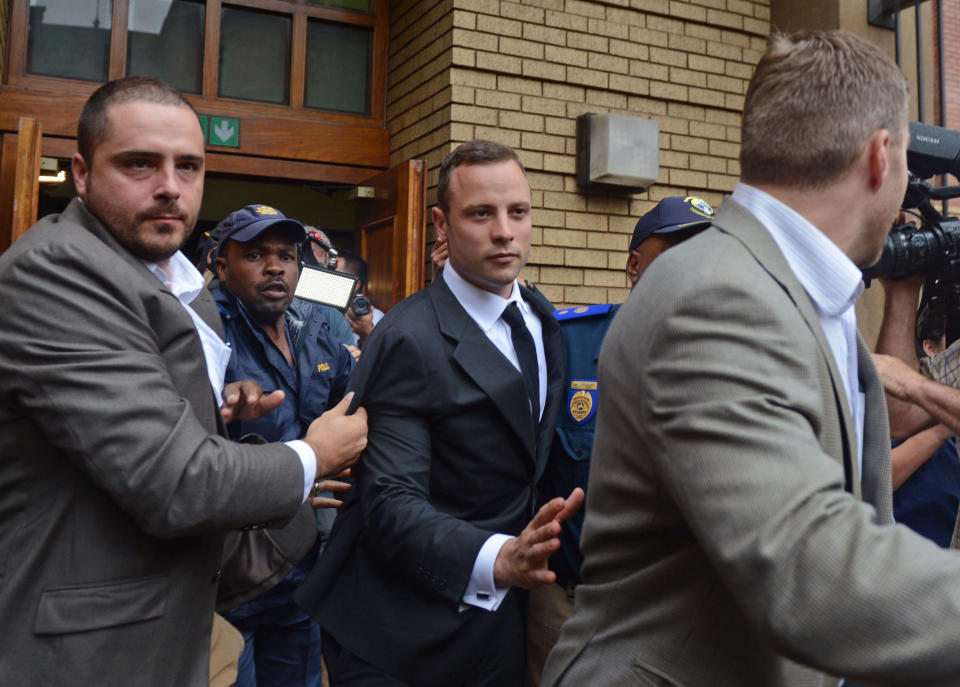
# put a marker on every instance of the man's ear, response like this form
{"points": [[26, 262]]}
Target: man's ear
{"points": [[633, 268], [878, 157], [80, 172], [439, 221], [221, 265]]}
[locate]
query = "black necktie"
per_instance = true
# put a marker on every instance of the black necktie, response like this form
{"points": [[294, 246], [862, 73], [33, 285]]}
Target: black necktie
{"points": [[526, 355]]}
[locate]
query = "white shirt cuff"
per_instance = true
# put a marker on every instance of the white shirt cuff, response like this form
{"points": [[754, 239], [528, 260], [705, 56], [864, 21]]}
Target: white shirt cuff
{"points": [[481, 590], [309, 461]]}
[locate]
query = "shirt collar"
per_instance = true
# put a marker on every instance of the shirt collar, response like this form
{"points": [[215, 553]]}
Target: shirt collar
{"points": [[483, 306], [179, 276], [830, 278]]}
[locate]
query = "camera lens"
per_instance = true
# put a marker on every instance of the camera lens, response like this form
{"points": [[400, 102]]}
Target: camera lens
{"points": [[361, 305], [910, 250]]}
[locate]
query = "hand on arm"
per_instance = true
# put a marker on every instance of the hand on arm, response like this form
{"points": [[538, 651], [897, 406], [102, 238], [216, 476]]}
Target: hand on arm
{"points": [[337, 439], [915, 451], [935, 399], [245, 400], [522, 561]]}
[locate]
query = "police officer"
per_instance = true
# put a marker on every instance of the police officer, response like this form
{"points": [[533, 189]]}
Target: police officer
{"points": [[672, 221]]}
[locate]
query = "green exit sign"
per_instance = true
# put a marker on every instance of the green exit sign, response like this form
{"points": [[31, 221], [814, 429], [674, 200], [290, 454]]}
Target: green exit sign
{"points": [[221, 131]]}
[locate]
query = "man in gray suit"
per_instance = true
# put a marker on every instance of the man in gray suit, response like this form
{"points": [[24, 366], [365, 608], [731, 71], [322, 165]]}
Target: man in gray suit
{"points": [[116, 480], [738, 528]]}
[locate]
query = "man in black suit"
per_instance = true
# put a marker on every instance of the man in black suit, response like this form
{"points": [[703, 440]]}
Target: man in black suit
{"points": [[417, 584]]}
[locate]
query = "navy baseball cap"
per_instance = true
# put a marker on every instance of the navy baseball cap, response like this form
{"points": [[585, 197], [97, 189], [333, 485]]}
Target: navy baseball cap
{"points": [[246, 223], [673, 214]]}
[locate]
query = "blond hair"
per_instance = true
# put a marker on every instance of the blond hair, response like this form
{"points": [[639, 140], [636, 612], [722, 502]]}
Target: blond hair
{"points": [[813, 102]]}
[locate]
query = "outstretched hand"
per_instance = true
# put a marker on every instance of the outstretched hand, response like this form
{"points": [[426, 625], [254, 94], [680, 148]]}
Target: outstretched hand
{"points": [[522, 561], [245, 400]]}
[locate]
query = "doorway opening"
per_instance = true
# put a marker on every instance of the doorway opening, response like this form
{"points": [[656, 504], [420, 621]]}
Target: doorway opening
{"points": [[385, 224], [329, 207]]}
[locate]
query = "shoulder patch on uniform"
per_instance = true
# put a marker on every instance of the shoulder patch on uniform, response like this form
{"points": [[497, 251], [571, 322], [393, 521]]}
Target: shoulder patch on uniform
{"points": [[582, 311]]}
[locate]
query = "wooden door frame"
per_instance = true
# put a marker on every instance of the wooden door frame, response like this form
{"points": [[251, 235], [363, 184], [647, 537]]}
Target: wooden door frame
{"points": [[19, 180], [400, 200]]}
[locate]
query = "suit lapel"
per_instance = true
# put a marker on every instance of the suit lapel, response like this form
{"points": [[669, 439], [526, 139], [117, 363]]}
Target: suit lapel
{"points": [[203, 305], [732, 218], [484, 364], [206, 308], [877, 486], [556, 374]]}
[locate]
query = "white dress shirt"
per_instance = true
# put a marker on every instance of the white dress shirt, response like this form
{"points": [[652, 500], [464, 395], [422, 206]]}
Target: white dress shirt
{"points": [[485, 309], [183, 280], [830, 278]]}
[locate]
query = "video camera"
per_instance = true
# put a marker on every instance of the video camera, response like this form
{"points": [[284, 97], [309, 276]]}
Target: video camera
{"points": [[933, 249]]}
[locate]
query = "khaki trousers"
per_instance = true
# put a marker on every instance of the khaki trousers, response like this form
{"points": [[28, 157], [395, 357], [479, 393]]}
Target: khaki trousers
{"points": [[549, 607], [226, 645]]}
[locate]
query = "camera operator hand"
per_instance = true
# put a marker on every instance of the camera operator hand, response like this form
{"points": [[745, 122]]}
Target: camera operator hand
{"points": [[939, 401], [898, 329], [897, 339], [361, 325]]}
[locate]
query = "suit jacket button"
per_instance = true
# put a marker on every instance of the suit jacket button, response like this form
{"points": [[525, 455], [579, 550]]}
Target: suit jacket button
{"points": [[216, 577]]}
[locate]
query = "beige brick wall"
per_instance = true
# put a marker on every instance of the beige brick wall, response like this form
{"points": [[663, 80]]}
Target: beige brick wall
{"points": [[521, 73]]}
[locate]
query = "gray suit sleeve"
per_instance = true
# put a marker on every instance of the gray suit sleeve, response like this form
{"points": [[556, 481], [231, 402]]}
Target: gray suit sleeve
{"points": [[732, 412], [81, 363]]}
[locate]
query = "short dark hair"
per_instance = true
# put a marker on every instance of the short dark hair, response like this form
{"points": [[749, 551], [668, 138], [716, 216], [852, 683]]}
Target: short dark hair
{"points": [[355, 265], [93, 125], [931, 322], [814, 101], [476, 152]]}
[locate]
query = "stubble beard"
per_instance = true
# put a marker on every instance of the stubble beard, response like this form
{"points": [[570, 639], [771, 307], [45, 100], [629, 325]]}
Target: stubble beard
{"points": [[132, 233]]}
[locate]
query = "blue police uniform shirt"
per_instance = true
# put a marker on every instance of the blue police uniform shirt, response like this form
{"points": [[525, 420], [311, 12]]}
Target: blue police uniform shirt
{"points": [[583, 330], [316, 383], [927, 502], [334, 320]]}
